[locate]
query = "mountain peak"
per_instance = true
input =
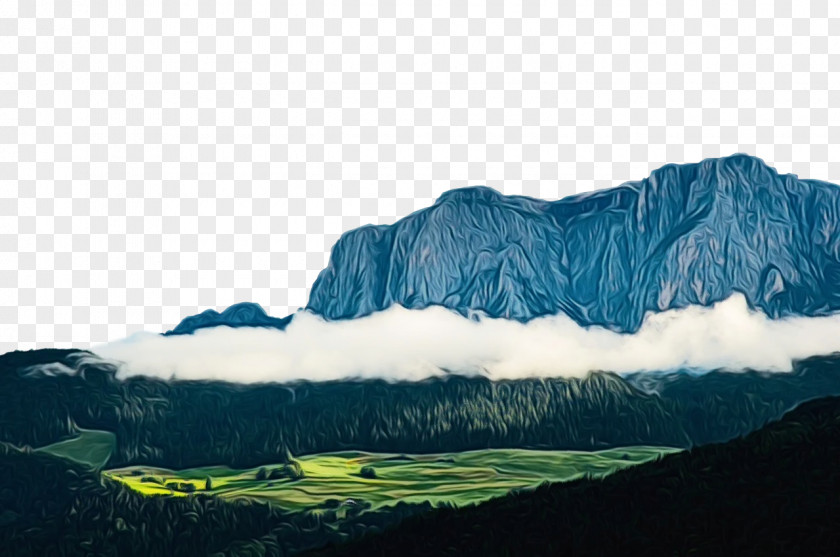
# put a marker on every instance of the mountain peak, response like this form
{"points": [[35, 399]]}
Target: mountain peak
{"points": [[739, 162], [690, 234], [724, 175], [736, 162], [471, 193], [244, 314]]}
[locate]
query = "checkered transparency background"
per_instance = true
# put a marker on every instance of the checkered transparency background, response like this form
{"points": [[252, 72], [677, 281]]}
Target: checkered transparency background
{"points": [[161, 158]]}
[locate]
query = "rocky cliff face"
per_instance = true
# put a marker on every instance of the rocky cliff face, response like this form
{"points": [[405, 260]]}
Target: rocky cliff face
{"points": [[688, 234]]}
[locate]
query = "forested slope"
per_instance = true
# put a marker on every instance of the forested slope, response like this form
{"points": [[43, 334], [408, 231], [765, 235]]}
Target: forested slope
{"points": [[773, 492], [50, 506], [178, 424]]}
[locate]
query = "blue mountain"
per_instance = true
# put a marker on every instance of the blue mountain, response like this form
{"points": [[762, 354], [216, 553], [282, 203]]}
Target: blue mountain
{"points": [[245, 314], [688, 234]]}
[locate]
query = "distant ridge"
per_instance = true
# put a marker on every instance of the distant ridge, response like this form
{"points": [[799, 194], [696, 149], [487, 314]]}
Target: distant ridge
{"points": [[245, 314], [690, 234]]}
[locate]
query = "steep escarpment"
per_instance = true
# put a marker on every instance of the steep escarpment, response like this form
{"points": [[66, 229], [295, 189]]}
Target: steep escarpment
{"points": [[688, 234]]}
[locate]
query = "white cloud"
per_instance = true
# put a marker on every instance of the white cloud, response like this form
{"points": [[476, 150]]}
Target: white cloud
{"points": [[401, 344]]}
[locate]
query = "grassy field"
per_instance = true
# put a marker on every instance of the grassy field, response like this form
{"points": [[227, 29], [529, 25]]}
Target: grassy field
{"points": [[457, 478], [90, 447]]}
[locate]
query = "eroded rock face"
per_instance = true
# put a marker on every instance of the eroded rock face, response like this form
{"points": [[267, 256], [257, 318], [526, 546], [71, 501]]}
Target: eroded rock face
{"points": [[688, 234]]}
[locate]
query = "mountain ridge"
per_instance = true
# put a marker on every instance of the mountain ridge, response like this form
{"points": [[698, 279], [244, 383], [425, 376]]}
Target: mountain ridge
{"points": [[242, 314], [689, 234]]}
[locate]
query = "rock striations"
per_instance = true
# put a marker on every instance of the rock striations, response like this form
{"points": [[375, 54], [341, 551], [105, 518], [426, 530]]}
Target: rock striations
{"points": [[690, 234]]}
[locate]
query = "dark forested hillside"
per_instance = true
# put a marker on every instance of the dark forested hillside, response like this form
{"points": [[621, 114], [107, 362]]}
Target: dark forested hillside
{"points": [[773, 492], [179, 424], [52, 506], [721, 405]]}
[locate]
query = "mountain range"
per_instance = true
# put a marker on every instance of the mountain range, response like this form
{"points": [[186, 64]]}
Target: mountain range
{"points": [[738, 481], [690, 234]]}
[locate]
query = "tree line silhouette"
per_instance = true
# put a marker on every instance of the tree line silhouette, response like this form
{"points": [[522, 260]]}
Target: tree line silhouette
{"points": [[180, 424]]}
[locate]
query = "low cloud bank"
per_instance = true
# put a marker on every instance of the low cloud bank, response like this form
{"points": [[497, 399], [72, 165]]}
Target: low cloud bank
{"points": [[400, 344]]}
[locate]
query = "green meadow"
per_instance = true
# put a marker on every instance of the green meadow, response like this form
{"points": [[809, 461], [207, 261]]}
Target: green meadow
{"points": [[338, 479], [91, 447]]}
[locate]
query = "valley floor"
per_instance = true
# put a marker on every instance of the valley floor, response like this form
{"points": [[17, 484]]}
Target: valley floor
{"points": [[368, 480]]}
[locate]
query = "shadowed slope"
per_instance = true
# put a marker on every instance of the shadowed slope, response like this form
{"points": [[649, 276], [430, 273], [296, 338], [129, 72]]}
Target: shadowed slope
{"points": [[770, 493]]}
